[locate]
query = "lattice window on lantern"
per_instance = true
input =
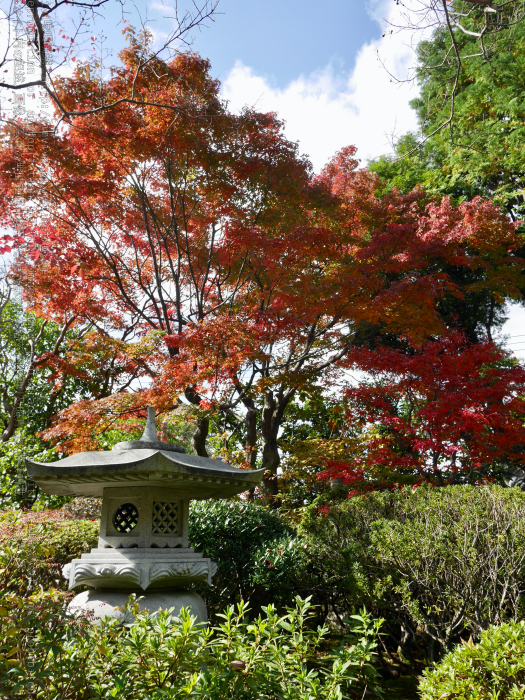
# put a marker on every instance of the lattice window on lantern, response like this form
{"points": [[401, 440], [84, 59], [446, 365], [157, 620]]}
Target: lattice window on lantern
{"points": [[126, 518], [165, 518]]}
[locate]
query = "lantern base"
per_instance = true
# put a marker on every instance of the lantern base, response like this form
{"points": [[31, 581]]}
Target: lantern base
{"points": [[101, 603]]}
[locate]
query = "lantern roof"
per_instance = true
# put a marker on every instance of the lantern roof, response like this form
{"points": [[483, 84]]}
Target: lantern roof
{"points": [[144, 462]]}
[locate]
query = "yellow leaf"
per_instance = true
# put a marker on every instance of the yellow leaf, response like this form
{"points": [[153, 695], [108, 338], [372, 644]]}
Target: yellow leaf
{"points": [[12, 652]]}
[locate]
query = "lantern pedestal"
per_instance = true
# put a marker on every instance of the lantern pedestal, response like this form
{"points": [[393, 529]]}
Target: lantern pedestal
{"points": [[102, 603]]}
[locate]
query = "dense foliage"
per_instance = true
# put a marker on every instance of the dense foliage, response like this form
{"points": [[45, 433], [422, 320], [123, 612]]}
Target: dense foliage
{"points": [[157, 657], [16, 491], [260, 558], [30, 395], [314, 430], [34, 548], [170, 244], [492, 668], [436, 563], [449, 412], [484, 147], [480, 152]]}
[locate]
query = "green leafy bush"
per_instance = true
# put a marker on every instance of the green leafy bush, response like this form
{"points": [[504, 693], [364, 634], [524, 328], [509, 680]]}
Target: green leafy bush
{"points": [[259, 555], [35, 546], [159, 657], [493, 668], [436, 563], [279, 568]]}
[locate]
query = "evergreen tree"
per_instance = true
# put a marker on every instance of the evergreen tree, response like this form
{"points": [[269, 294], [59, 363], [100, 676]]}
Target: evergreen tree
{"points": [[480, 151]]}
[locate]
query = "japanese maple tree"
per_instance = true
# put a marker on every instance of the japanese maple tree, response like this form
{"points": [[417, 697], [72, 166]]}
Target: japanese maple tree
{"points": [[451, 411], [209, 231]]}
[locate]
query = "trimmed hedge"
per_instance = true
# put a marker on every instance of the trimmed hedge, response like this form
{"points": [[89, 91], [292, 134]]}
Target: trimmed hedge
{"points": [[260, 558], [259, 555]]}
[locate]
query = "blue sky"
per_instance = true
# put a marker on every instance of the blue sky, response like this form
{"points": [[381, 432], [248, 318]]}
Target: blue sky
{"points": [[282, 39], [317, 67], [320, 71], [279, 39]]}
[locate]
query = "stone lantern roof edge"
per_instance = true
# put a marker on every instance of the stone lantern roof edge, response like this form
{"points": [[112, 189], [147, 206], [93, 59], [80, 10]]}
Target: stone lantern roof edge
{"points": [[147, 467], [132, 460]]}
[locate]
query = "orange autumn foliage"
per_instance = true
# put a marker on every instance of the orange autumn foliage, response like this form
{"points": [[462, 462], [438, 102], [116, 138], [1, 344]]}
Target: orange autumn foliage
{"points": [[210, 230]]}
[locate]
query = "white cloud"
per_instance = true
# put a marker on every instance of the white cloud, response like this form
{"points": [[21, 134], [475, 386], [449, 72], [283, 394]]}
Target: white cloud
{"points": [[325, 111]]}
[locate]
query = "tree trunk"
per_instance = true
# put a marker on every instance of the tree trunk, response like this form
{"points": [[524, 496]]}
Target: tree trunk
{"points": [[272, 416], [250, 423], [198, 440], [271, 461]]}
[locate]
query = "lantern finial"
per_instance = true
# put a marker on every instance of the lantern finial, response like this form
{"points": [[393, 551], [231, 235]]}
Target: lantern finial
{"points": [[150, 432]]}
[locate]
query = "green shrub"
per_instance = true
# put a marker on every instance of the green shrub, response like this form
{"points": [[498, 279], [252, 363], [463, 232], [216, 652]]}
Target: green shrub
{"points": [[279, 568], [35, 546], [273, 656], [493, 668], [258, 554], [436, 563]]}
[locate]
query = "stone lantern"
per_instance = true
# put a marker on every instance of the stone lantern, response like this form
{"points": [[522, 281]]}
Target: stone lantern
{"points": [[145, 486]]}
